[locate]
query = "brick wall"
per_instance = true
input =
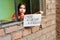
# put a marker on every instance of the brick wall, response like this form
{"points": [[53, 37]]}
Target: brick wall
{"points": [[47, 31], [58, 18]]}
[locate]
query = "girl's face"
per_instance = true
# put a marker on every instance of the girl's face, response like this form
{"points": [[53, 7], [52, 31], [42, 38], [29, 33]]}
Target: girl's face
{"points": [[22, 9]]}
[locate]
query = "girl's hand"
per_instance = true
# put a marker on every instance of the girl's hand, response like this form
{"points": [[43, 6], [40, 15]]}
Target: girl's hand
{"points": [[39, 12], [18, 17]]}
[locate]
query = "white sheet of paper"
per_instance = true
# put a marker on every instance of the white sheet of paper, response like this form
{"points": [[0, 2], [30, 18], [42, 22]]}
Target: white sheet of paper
{"points": [[32, 20]]}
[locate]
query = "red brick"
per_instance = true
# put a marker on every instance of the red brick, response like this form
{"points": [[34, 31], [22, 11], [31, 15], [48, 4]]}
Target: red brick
{"points": [[26, 31], [58, 15], [2, 32], [43, 25], [17, 35], [52, 27], [11, 29], [57, 26], [58, 0], [6, 37], [48, 29], [48, 23], [36, 28], [57, 6], [20, 26], [58, 11], [49, 17], [53, 11], [53, 22], [58, 21], [44, 19]]}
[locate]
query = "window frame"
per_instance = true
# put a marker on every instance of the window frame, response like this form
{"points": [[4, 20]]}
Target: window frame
{"points": [[43, 7], [16, 11]]}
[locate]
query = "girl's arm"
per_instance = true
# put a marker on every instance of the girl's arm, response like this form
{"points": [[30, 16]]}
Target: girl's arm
{"points": [[39, 12]]}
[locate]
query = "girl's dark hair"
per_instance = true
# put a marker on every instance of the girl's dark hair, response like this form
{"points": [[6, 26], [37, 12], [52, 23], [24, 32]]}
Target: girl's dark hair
{"points": [[20, 5]]}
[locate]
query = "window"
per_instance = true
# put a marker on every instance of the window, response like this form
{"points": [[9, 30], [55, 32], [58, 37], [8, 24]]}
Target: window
{"points": [[33, 5], [43, 6], [9, 9]]}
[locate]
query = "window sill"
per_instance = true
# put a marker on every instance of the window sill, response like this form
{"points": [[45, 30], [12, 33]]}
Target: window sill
{"points": [[12, 24]]}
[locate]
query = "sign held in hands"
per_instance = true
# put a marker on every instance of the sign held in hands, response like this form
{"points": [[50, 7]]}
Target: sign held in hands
{"points": [[32, 20]]}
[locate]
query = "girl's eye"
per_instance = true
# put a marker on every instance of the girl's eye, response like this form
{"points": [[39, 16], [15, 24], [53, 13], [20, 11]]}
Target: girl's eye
{"points": [[20, 7]]}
